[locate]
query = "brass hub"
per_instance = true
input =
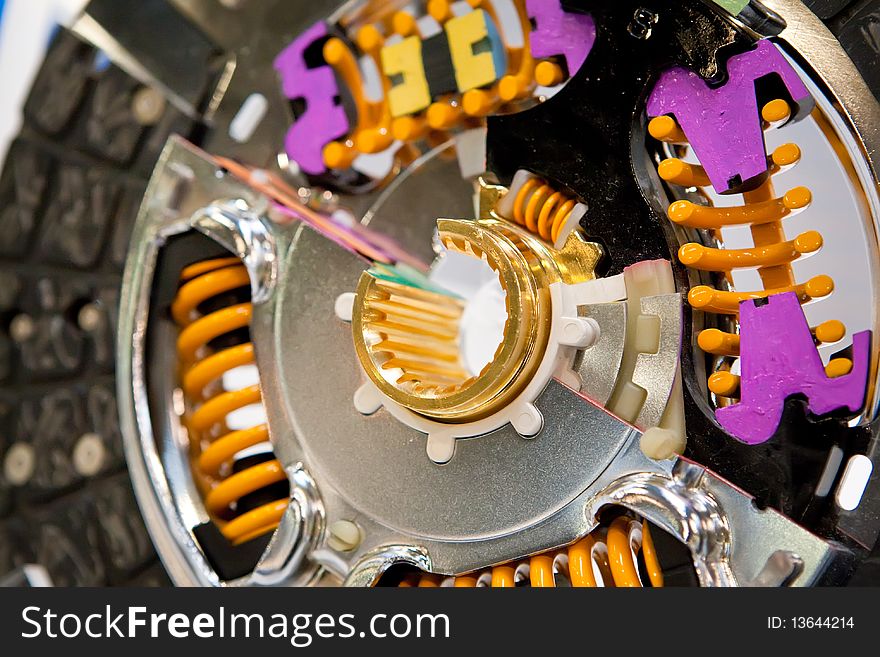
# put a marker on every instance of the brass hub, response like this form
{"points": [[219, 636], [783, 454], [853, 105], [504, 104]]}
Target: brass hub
{"points": [[407, 337]]}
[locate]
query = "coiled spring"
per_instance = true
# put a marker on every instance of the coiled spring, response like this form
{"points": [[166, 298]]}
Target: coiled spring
{"points": [[536, 205], [212, 308], [772, 254], [609, 557]]}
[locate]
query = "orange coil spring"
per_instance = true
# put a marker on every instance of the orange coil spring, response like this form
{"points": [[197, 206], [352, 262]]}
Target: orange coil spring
{"points": [[606, 558], [542, 209], [772, 254], [209, 404]]}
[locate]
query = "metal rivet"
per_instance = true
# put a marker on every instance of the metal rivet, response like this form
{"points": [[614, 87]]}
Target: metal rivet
{"points": [[90, 317], [89, 455], [19, 464], [22, 328]]}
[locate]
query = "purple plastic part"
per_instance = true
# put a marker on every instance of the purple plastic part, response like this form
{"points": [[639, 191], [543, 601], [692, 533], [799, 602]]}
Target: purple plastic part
{"points": [[779, 359], [560, 33], [323, 120], [723, 125]]}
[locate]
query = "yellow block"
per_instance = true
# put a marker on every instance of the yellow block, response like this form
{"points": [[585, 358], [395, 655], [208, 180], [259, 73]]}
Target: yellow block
{"points": [[404, 60], [473, 70]]}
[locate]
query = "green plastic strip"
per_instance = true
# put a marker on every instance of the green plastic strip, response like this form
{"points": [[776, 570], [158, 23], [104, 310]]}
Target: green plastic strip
{"points": [[406, 275]]}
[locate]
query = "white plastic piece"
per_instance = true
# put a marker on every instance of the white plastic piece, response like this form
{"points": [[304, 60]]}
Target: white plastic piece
{"points": [[644, 280], [470, 148], [248, 118], [372, 79], [344, 536], [661, 444], [264, 447], [642, 286], [37, 576], [580, 332], [647, 338], [481, 328], [546, 93], [178, 402], [506, 202], [629, 401], [428, 26], [460, 274], [571, 223], [600, 290], [673, 417], [440, 447], [367, 399], [509, 23], [246, 417], [528, 421], [344, 306], [569, 378], [19, 464], [460, 8], [854, 482], [376, 165], [241, 377], [89, 455]]}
